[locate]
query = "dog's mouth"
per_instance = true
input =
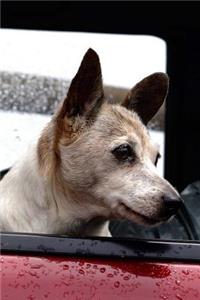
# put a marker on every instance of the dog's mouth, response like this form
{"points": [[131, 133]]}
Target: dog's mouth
{"points": [[125, 212]]}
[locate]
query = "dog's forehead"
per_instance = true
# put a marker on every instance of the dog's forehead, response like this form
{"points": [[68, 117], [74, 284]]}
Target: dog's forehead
{"points": [[116, 124], [118, 121]]}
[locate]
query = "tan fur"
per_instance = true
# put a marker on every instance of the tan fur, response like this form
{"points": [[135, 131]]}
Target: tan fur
{"points": [[71, 182]]}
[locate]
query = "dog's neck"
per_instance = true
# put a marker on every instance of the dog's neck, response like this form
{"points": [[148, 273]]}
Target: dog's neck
{"points": [[77, 212], [45, 207]]}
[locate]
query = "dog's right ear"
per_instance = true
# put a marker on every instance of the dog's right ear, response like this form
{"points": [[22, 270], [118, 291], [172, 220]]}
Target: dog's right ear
{"points": [[85, 93]]}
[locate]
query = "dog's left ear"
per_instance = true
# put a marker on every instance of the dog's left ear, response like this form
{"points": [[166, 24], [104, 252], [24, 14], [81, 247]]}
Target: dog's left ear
{"points": [[85, 93], [147, 96]]}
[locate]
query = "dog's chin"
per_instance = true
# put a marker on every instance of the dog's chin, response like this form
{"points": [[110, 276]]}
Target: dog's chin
{"points": [[124, 212]]}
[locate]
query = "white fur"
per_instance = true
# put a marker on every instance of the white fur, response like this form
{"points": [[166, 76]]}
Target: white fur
{"points": [[27, 204]]}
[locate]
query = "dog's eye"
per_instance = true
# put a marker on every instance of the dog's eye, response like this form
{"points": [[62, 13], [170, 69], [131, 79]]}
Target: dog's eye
{"points": [[157, 158], [123, 152]]}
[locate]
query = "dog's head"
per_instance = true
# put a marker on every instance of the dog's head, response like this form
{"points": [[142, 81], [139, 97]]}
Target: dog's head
{"points": [[105, 151]]}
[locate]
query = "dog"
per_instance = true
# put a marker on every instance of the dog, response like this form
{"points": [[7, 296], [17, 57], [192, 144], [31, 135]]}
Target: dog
{"points": [[93, 162]]}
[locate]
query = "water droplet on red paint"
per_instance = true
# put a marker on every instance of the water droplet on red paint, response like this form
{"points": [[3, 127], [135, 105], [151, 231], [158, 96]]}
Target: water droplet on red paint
{"points": [[116, 284], [88, 266], [20, 274], [179, 297], [65, 267], [110, 275], [65, 294], [36, 266], [33, 274], [163, 297], [26, 262], [81, 271], [102, 270], [177, 282], [185, 272], [126, 277], [157, 283], [65, 283]]}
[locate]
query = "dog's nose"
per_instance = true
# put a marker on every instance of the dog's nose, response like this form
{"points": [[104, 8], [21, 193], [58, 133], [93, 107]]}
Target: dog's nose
{"points": [[172, 205]]}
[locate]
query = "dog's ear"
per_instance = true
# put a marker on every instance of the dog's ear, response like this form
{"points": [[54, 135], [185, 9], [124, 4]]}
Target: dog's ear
{"points": [[85, 93], [147, 96]]}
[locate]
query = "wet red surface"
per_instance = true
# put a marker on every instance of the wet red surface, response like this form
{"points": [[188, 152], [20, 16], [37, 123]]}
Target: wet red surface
{"points": [[71, 278]]}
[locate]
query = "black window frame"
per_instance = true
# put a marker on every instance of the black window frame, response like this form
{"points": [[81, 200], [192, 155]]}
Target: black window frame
{"points": [[102, 247]]}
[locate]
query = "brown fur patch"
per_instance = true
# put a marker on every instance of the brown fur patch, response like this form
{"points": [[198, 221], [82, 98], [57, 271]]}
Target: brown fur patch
{"points": [[46, 154]]}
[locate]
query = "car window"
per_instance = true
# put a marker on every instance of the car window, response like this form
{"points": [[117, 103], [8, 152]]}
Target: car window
{"points": [[36, 68]]}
